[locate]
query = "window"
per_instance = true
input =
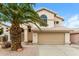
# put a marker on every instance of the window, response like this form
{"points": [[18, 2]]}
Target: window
{"points": [[29, 28], [44, 18], [56, 22], [6, 28]]}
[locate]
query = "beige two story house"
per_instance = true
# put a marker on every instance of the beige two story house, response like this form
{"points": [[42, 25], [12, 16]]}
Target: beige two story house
{"points": [[53, 33]]}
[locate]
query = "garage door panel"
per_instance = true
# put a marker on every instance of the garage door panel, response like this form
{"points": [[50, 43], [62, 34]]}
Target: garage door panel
{"points": [[51, 38]]}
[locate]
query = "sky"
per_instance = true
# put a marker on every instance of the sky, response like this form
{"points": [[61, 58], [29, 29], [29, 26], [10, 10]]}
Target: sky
{"points": [[69, 11]]}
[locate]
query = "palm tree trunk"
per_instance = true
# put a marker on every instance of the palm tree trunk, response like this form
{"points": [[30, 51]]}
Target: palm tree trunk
{"points": [[15, 34]]}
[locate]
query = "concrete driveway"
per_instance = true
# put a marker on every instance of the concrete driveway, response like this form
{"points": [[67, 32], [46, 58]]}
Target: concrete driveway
{"points": [[59, 50], [44, 50]]}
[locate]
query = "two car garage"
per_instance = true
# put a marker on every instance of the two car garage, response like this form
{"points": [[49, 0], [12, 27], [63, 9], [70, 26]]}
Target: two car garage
{"points": [[52, 37]]}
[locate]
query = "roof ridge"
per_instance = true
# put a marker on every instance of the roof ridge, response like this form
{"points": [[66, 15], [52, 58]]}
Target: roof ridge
{"points": [[44, 8]]}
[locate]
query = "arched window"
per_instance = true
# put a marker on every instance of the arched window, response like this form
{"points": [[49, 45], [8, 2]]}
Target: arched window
{"points": [[44, 18]]}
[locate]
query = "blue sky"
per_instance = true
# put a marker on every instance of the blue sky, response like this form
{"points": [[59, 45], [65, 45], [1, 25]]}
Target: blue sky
{"points": [[63, 9], [70, 12]]}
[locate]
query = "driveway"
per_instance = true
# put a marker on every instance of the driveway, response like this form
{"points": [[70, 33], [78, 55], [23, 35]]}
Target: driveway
{"points": [[58, 50], [43, 50]]}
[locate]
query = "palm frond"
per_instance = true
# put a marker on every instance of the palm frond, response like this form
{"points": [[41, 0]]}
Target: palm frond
{"points": [[20, 12], [34, 24]]}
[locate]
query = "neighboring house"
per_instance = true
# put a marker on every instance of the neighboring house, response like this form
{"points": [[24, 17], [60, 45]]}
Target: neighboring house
{"points": [[74, 36], [5, 30], [53, 33]]}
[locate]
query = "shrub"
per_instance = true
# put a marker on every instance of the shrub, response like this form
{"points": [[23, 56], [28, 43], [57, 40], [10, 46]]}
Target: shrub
{"points": [[6, 45], [1, 31]]}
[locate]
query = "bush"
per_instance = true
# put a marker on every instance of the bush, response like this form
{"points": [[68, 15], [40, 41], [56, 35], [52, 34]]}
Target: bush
{"points": [[5, 38], [1, 31], [6, 45]]}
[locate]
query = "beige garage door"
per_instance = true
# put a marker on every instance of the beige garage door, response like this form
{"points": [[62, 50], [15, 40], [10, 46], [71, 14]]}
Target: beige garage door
{"points": [[51, 38]]}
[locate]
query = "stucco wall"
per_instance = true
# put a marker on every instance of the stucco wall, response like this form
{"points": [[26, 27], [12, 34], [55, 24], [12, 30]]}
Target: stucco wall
{"points": [[25, 35], [35, 37], [25, 32], [67, 38], [60, 21], [50, 24], [50, 17]]}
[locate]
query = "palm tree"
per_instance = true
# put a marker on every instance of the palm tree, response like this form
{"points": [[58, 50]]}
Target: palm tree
{"points": [[16, 14]]}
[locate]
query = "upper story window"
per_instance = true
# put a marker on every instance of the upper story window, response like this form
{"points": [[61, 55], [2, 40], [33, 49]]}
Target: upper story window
{"points": [[29, 28], [44, 18], [56, 22]]}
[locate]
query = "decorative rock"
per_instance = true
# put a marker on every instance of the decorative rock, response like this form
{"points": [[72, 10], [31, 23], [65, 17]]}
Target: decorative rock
{"points": [[20, 49], [1, 43]]}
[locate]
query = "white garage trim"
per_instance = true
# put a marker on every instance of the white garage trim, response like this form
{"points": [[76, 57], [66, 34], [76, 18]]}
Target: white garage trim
{"points": [[35, 37], [67, 38]]}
